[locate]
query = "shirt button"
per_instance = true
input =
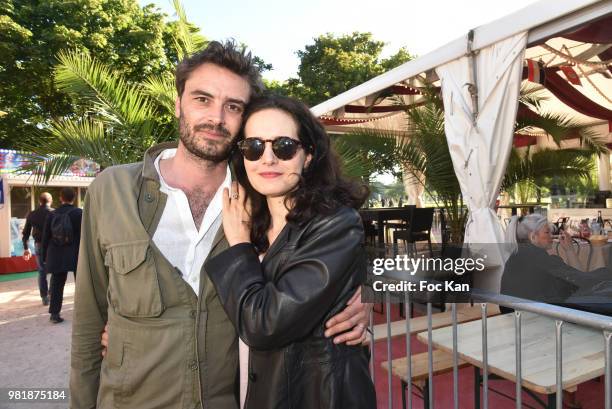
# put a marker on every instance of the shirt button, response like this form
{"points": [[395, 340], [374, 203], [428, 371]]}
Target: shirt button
{"points": [[192, 313], [253, 377], [193, 366], [149, 197]]}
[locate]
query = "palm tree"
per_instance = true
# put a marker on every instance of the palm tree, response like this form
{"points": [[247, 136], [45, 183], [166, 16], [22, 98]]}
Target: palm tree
{"points": [[526, 171], [121, 119]]}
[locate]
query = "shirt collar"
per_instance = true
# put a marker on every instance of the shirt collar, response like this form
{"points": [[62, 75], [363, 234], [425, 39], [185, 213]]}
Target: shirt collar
{"points": [[169, 153]]}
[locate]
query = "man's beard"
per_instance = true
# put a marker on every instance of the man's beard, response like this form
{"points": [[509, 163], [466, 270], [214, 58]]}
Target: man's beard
{"points": [[213, 151]]}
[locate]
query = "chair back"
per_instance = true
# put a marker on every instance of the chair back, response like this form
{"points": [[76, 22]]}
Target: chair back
{"points": [[407, 213], [422, 219]]}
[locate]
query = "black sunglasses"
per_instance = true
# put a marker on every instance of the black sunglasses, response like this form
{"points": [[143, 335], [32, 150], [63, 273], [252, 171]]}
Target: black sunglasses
{"points": [[284, 147]]}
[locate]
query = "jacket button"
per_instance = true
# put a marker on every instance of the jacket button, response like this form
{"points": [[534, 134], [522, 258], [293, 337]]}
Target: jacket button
{"points": [[193, 366], [193, 313], [253, 377], [149, 197]]}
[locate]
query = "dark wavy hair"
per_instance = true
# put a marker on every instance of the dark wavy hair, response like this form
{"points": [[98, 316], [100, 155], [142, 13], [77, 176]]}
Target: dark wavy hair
{"points": [[228, 55], [321, 189]]}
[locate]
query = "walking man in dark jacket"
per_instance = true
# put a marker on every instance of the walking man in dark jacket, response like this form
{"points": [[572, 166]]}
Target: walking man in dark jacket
{"points": [[35, 223], [60, 248]]}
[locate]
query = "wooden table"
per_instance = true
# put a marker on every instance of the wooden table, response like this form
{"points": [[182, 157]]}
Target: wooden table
{"points": [[583, 350], [438, 320], [380, 215]]}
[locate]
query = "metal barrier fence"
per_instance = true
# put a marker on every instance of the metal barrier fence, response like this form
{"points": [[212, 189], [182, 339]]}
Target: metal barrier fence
{"points": [[560, 314]]}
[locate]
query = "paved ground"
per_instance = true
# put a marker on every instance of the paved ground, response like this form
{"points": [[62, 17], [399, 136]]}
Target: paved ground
{"points": [[34, 353]]}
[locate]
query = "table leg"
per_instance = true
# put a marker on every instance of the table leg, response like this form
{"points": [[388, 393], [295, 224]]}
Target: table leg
{"points": [[552, 401], [381, 231], [476, 387]]}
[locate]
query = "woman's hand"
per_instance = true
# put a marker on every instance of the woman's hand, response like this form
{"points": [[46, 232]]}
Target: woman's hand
{"points": [[350, 325], [236, 215], [104, 340]]}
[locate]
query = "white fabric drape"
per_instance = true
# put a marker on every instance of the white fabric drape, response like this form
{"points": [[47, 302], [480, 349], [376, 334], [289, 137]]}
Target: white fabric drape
{"points": [[480, 153]]}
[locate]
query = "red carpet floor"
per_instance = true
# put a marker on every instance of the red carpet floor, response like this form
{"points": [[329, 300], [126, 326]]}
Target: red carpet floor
{"points": [[590, 395]]}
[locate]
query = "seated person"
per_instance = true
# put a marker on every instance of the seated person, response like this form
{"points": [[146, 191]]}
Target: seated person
{"points": [[532, 273]]}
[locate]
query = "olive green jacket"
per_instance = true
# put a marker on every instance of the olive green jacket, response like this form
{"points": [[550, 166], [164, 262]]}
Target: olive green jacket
{"points": [[168, 348]]}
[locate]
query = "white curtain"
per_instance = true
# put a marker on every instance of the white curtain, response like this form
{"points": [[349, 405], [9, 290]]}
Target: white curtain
{"points": [[480, 150]]}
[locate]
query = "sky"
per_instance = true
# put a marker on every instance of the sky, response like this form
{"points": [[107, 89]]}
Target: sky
{"points": [[276, 29]]}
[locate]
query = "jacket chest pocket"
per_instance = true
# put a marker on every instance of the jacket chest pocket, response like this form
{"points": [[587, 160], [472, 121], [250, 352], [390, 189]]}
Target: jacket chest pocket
{"points": [[133, 283]]}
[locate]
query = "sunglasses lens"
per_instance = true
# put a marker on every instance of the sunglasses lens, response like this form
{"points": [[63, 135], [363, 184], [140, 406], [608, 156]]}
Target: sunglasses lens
{"points": [[251, 148], [285, 148]]}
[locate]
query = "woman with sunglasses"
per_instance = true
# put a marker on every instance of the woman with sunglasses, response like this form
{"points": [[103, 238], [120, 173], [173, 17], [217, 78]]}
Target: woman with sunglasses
{"points": [[295, 259]]}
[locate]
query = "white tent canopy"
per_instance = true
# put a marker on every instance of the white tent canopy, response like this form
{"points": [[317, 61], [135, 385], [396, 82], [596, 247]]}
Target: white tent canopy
{"points": [[541, 20], [501, 47]]}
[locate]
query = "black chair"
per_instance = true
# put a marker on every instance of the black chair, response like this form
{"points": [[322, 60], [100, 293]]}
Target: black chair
{"points": [[419, 229], [560, 224], [402, 224], [370, 232]]}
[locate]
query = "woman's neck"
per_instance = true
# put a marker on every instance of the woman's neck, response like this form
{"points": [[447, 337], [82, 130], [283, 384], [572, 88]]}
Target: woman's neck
{"points": [[278, 215]]}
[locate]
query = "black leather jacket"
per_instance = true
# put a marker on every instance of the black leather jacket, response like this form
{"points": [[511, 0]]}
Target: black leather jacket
{"points": [[280, 307]]}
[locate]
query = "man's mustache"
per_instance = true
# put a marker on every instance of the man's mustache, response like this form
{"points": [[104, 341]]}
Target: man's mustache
{"points": [[213, 128]]}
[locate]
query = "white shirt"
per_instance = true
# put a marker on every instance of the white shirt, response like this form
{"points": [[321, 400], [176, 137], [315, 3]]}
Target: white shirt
{"points": [[178, 238]]}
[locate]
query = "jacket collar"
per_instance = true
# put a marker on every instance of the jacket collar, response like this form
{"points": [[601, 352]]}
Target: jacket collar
{"points": [[148, 166]]}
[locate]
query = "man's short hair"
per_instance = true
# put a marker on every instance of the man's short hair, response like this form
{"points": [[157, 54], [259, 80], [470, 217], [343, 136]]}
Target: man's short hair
{"points": [[45, 198], [67, 194], [227, 55]]}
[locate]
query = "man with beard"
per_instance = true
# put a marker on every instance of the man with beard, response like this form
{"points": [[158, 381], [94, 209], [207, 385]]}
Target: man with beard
{"points": [[147, 229]]}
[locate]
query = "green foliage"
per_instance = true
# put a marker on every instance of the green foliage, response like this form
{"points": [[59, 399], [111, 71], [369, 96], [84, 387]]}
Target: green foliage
{"points": [[394, 190], [535, 167], [333, 65], [32, 33], [426, 156], [119, 124], [118, 116], [377, 154], [353, 158]]}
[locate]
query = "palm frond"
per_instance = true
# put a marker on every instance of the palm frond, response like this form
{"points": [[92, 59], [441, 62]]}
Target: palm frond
{"points": [[532, 96], [592, 142], [561, 127], [112, 98], [66, 141], [186, 41], [352, 160], [547, 163], [162, 90]]}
